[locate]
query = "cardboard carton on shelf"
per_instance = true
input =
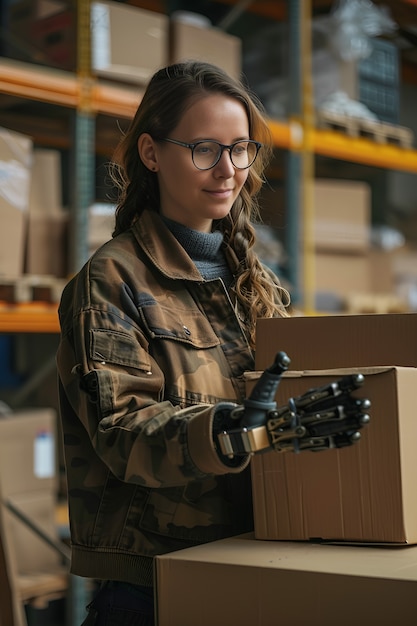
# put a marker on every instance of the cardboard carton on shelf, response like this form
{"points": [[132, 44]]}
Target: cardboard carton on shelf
{"points": [[341, 231], [47, 245], [264, 583], [206, 43], [30, 551], [342, 273], [27, 452], [29, 482], [101, 222], [363, 493], [128, 43], [48, 223], [342, 216], [16, 153]]}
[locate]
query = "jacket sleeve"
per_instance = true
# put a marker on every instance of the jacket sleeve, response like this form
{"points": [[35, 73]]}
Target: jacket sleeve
{"points": [[116, 389]]}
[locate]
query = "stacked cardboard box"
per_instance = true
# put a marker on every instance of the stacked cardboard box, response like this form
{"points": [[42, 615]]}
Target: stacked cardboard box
{"points": [[101, 217], [190, 40], [16, 154], [47, 228], [265, 583], [363, 493], [28, 479], [128, 43], [341, 230], [330, 526], [34, 234]]}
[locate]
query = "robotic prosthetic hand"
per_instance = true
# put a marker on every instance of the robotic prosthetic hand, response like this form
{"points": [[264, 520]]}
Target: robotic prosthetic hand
{"points": [[322, 418]]}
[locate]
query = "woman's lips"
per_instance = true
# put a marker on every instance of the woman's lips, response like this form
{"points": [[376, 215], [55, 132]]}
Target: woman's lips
{"points": [[220, 193]]}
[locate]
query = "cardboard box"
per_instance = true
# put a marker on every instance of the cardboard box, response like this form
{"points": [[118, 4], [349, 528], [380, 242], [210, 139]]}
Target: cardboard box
{"points": [[381, 271], [45, 194], [47, 228], [328, 342], [263, 583], [30, 552], [362, 493], [47, 245], [29, 481], [15, 171], [101, 222], [27, 452], [128, 43], [191, 41], [342, 273], [342, 216]]}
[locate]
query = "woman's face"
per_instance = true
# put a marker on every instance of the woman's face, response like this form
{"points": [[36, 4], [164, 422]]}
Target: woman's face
{"points": [[194, 197]]}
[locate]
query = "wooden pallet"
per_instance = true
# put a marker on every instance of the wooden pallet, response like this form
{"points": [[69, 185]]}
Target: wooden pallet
{"points": [[380, 132], [370, 303], [31, 288]]}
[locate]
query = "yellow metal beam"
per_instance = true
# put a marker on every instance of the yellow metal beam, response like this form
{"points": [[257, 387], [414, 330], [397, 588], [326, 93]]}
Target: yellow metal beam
{"points": [[39, 83], [29, 318], [337, 145]]}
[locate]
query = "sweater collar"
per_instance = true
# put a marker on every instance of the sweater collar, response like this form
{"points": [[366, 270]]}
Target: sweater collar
{"points": [[200, 246], [166, 253]]}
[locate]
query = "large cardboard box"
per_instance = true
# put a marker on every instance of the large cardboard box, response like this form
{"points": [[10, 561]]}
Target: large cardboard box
{"points": [[342, 273], [45, 192], [368, 510], [47, 245], [263, 583], [30, 551], [361, 493], [333, 341], [191, 41], [16, 152], [27, 452], [342, 215], [48, 223], [101, 222], [128, 43], [28, 482]]}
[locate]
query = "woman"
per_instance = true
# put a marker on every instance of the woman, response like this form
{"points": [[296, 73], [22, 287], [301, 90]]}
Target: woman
{"points": [[158, 329]]}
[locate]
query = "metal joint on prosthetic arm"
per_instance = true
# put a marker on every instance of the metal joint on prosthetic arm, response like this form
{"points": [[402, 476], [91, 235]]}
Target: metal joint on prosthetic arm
{"points": [[251, 436]]}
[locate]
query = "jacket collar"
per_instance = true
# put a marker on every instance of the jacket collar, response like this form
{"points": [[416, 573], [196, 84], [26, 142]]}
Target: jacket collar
{"points": [[162, 248], [164, 251]]}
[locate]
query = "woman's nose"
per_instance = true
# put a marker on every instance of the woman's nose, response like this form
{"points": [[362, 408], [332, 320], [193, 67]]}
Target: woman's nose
{"points": [[225, 166]]}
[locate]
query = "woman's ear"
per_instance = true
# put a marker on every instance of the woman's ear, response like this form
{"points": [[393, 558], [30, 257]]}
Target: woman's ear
{"points": [[147, 152]]}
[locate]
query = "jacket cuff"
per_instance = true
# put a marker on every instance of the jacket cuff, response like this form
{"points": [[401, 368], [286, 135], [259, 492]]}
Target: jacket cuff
{"points": [[203, 450]]}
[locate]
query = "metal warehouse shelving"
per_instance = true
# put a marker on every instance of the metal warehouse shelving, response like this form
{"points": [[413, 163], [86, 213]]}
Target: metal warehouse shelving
{"points": [[86, 98]]}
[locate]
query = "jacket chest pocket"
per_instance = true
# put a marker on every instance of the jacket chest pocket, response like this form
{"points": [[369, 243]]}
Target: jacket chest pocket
{"points": [[188, 326]]}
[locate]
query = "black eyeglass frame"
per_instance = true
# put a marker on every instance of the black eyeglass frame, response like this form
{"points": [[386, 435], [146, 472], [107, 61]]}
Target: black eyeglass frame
{"points": [[222, 147]]}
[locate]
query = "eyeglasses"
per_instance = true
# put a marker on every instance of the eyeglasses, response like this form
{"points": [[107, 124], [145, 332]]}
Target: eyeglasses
{"points": [[206, 154]]}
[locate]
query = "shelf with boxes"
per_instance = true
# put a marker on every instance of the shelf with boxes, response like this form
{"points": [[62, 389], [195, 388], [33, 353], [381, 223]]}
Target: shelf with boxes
{"points": [[64, 88], [115, 85]]}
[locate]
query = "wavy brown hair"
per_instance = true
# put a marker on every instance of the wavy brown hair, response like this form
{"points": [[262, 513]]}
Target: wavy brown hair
{"points": [[168, 95]]}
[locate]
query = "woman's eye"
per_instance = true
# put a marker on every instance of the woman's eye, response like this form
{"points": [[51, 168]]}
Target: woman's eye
{"points": [[204, 149], [240, 149]]}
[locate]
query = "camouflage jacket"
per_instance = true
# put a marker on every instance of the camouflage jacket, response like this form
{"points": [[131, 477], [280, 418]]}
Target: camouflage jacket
{"points": [[147, 348]]}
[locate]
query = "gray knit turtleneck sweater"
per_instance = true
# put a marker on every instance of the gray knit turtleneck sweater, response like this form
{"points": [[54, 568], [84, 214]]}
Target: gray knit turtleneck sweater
{"points": [[205, 249]]}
